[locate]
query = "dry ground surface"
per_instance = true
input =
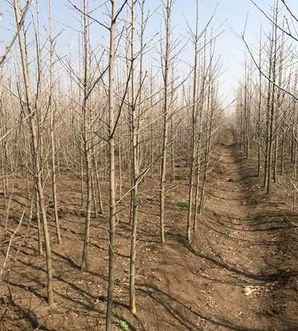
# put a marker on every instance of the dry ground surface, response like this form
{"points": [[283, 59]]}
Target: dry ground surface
{"points": [[241, 273]]}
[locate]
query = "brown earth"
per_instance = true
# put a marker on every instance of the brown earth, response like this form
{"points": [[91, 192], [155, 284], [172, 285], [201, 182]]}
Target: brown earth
{"points": [[241, 273]]}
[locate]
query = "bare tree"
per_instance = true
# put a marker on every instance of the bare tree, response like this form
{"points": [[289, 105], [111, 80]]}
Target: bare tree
{"points": [[52, 111], [112, 179], [168, 8], [36, 150], [135, 162]]}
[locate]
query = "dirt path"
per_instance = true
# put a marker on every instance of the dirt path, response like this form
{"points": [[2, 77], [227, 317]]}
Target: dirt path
{"points": [[240, 273]]}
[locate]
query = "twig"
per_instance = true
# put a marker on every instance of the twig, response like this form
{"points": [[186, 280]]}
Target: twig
{"points": [[10, 243]]}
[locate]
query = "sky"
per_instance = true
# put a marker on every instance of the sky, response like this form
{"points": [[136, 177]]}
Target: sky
{"points": [[230, 18]]}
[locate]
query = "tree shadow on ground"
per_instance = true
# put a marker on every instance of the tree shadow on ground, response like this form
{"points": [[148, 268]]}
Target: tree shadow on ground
{"points": [[183, 313]]}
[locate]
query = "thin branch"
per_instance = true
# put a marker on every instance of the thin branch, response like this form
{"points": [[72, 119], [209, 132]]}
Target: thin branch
{"points": [[289, 34], [19, 27], [261, 71]]}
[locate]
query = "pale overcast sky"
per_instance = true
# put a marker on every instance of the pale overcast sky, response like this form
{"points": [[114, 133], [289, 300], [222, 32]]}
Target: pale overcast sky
{"points": [[230, 17]]}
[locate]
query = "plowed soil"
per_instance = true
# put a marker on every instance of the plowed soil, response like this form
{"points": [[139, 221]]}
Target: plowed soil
{"points": [[240, 273]]}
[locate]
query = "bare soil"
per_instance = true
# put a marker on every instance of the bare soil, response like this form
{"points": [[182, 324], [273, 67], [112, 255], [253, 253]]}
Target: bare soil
{"points": [[240, 273]]}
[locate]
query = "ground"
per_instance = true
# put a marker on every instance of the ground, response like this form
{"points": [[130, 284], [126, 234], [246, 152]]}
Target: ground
{"points": [[240, 273]]}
